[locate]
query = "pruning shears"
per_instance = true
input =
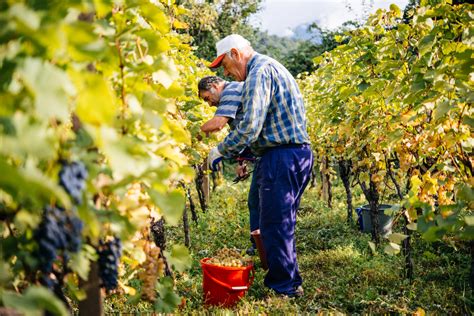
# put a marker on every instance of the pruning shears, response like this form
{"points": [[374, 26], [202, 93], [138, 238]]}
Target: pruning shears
{"points": [[240, 161]]}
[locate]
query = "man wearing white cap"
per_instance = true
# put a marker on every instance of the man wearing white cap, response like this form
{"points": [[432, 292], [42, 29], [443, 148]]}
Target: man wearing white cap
{"points": [[274, 127]]}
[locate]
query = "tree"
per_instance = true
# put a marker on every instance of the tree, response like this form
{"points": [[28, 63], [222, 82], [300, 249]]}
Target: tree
{"points": [[210, 21]]}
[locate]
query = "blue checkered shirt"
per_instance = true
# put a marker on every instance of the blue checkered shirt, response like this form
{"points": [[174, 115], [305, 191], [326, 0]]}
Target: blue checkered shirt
{"points": [[230, 103], [273, 110]]}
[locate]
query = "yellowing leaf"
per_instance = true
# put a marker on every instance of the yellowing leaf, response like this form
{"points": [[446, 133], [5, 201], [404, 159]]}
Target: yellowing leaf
{"points": [[372, 247], [127, 289], [50, 87], [415, 183], [396, 238], [179, 25], [469, 220], [95, 103], [102, 7], [25, 15], [163, 77], [412, 226], [174, 90], [396, 10], [392, 249], [170, 203]]}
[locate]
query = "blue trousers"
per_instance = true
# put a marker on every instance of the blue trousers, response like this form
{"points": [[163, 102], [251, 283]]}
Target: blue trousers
{"points": [[253, 204], [282, 175]]}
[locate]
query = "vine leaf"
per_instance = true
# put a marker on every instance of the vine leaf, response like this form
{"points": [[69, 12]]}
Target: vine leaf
{"points": [[396, 238], [50, 87], [171, 204], [179, 257], [35, 299], [95, 104]]}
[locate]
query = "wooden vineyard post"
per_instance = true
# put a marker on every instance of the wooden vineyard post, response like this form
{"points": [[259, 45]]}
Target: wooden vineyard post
{"points": [[326, 181], [92, 305], [205, 182]]}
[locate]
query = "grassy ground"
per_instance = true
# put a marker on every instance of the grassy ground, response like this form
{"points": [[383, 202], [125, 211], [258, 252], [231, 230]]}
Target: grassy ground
{"points": [[340, 273]]}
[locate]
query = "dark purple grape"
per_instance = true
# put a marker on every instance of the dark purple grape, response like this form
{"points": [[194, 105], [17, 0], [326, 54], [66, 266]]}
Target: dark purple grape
{"points": [[158, 233], [72, 177], [59, 233], [109, 257]]}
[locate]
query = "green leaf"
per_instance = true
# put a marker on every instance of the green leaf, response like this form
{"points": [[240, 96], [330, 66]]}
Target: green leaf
{"points": [[433, 233], [46, 299], [179, 258], [50, 87], [31, 139], [95, 103], [153, 119], [392, 249], [102, 7], [25, 15], [152, 101], [412, 226], [469, 220], [363, 86], [441, 109], [156, 17], [20, 303], [171, 204], [372, 247], [35, 300], [30, 184], [163, 77], [156, 43], [91, 223], [168, 300], [83, 43], [468, 120], [464, 192], [395, 9], [175, 90], [177, 131], [25, 219], [126, 155], [426, 44], [396, 238], [80, 264]]}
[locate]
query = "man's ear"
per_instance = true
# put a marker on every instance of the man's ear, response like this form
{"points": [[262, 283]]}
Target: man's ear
{"points": [[235, 53]]}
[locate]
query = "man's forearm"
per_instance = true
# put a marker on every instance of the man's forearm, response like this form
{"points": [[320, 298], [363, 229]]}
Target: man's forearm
{"points": [[215, 124]]}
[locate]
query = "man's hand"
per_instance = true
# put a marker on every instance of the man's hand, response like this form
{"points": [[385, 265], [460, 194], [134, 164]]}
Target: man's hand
{"points": [[241, 170], [214, 158]]}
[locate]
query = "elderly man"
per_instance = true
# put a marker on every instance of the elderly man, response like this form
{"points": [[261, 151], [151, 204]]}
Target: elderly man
{"points": [[274, 127], [227, 97]]}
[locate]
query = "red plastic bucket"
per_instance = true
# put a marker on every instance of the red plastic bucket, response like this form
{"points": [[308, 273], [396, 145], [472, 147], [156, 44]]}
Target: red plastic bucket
{"points": [[225, 286]]}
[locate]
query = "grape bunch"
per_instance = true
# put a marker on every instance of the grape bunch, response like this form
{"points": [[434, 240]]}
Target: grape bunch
{"points": [[151, 270], [58, 233], [109, 257], [72, 178], [229, 258], [158, 233]]}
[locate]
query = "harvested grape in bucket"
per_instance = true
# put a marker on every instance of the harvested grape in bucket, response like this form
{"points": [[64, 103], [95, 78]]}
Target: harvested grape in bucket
{"points": [[230, 258], [226, 277]]}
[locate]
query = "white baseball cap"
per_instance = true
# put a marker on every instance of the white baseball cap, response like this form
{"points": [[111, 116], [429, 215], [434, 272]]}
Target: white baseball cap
{"points": [[225, 45]]}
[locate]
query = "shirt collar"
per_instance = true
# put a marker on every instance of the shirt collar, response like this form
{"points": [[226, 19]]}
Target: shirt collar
{"points": [[251, 62]]}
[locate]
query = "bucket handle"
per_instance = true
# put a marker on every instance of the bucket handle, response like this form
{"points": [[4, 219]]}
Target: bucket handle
{"points": [[227, 286]]}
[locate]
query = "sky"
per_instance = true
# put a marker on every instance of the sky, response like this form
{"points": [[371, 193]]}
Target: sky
{"points": [[279, 17]]}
